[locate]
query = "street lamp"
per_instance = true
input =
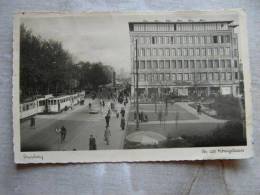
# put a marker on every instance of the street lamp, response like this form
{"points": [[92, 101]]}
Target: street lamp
{"points": [[137, 104]]}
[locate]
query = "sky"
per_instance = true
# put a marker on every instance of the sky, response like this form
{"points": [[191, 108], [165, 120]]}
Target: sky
{"points": [[102, 37]]}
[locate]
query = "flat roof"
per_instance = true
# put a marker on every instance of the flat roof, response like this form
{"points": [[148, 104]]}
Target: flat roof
{"points": [[179, 22]]}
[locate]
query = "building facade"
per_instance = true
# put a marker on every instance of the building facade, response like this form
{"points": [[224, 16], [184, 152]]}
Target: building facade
{"points": [[185, 57]]}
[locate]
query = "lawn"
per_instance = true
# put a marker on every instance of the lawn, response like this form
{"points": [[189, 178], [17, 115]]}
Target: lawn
{"points": [[174, 111]]}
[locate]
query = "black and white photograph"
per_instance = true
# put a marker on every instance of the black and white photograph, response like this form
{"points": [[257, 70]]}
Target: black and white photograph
{"points": [[144, 86]]}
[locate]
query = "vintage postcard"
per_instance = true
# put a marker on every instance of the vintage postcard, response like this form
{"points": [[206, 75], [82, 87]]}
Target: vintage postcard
{"points": [[131, 86]]}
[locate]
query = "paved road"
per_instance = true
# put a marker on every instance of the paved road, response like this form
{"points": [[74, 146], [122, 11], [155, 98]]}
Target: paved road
{"points": [[79, 124]]}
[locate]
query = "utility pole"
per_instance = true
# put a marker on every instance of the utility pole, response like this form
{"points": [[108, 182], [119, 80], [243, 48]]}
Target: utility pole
{"points": [[137, 104]]}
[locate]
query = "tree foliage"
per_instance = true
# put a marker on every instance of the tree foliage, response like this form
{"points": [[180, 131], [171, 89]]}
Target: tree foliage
{"points": [[46, 67]]}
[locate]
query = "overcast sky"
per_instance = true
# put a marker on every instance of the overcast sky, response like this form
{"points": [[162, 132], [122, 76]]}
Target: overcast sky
{"points": [[101, 37]]}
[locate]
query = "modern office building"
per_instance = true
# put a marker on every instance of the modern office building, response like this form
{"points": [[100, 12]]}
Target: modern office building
{"points": [[186, 57]]}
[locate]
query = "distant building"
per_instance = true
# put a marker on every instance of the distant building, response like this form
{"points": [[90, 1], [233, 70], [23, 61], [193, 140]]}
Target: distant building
{"points": [[186, 57]]}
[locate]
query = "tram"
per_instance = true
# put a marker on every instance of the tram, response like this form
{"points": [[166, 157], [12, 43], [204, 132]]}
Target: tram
{"points": [[49, 104]]}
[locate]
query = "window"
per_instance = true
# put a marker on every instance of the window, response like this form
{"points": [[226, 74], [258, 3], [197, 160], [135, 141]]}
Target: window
{"points": [[216, 76], [173, 50], [167, 76], [161, 64], [216, 63], [197, 51], [228, 63], [223, 76], [222, 39], [148, 64], [179, 77], [161, 77], [178, 52], [227, 39], [149, 77], [155, 64], [173, 77], [236, 75], [203, 76], [190, 40], [175, 27], [153, 40], [155, 77], [221, 51], [210, 76], [215, 51], [191, 76], [210, 63], [235, 52], [147, 40], [167, 64], [202, 40], [198, 64], [178, 40], [142, 64], [192, 65], [235, 63], [203, 52], [142, 77], [186, 77], [179, 63], [154, 52], [208, 39], [215, 39], [172, 41], [222, 63], [142, 52], [162, 40], [204, 63], [209, 51], [186, 65], [191, 52], [148, 52], [229, 76], [167, 52], [227, 51], [160, 52], [173, 64], [185, 52], [196, 39]]}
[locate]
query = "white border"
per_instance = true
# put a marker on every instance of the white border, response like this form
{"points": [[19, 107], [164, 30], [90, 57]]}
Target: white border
{"points": [[132, 155]]}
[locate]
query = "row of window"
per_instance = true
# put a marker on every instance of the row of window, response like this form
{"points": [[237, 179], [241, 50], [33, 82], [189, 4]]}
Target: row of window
{"points": [[185, 51], [184, 39], [179, 64], [188, 76], [180, 27]]}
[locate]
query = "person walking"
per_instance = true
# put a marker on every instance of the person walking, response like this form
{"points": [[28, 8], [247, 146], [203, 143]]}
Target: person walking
{"points": [[122, 112], [107, 118], [32, 122], [89, 105], [199, 108], [92, 143], [63, 133], [107, 135], [122, 123]]}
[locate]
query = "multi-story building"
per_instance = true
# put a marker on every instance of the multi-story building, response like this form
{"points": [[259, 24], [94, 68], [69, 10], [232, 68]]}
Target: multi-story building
{"points": [[186, 57]]}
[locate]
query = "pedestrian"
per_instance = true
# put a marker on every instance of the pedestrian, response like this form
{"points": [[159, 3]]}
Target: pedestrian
{"points": [[63, 133], [117, 114], [142, 116], [122, 112], [89, 105], [107, 118], [92, 143], [107, 135], [160, 116], [122, 124], [32, 122], [103, 103], [199, 108]]}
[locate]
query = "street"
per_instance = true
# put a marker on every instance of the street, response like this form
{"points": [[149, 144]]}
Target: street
{"points": [[80, 124]]}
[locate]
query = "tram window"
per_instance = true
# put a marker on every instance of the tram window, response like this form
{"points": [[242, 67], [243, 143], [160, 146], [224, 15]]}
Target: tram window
{"points": [[54, 102]]}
